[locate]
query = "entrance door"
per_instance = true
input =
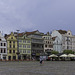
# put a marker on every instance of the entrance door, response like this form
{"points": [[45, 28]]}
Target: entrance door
{"points": [[19, 57], [24, 57], [4, 58], [9, 57], [14, 57]]}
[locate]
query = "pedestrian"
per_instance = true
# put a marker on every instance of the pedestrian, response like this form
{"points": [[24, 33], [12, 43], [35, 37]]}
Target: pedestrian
{"points": [[41, 60]]}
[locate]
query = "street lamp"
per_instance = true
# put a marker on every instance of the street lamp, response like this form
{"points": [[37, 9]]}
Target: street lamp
{"points": [[18, 44]]}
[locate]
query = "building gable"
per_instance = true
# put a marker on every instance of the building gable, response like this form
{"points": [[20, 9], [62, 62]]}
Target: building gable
{"points": [[11, 37]]}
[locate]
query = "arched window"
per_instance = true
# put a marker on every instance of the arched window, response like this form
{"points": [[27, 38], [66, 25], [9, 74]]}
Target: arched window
{"points": [[11, 37], [69, 33]]}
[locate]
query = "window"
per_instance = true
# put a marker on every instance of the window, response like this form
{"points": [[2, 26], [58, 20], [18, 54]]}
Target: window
{"points": [[28, 46], [14, 57], [33, 45], [28, 41], [24, 51], [1, 44], [48, 42], [42, 46], [13, 42], [67, 38], [24, 41], [10, 42], [37, 45], [20, 45], [4, 50], [67, 47], [1, 50], [44, 37], [10, 46], [20, 51], [13, 51], [13, 46], [20, 41], [69, 33], [24, 46], [4, 44], [50, 46], [48, 38], [9, 51], [28, 51], [45, 45]]}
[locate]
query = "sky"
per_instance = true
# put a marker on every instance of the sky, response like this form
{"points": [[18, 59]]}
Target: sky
{"points": [[42, 15]]}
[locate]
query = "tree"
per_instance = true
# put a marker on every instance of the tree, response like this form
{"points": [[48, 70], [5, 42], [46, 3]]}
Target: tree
{"points": [[54, 52], [68, 52]]}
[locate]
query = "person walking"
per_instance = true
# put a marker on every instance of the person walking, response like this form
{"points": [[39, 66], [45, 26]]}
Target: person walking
{"points": [[41, 60]]}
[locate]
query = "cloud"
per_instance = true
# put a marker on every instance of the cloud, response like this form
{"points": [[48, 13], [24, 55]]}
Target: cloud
{"points": [[44, 15]]}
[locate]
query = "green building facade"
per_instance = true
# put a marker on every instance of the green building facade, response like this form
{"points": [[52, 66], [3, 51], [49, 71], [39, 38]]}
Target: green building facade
{"points": [[24, 46]]}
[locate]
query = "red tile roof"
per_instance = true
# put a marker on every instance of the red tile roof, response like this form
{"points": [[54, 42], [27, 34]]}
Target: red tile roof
{"points": [[53, 38], [21, 34], [62, 31], [28, 33]]}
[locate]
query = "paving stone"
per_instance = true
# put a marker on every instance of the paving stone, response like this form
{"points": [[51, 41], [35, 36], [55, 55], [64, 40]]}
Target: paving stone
{"points": [[34, 68]]}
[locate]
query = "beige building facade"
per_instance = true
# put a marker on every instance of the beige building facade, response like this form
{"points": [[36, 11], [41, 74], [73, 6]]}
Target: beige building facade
{"points": [[48, 43]]}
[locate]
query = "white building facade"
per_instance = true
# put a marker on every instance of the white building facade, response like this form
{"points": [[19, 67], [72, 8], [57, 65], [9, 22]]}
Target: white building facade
{"points": [[3, 48], [64, 40]]}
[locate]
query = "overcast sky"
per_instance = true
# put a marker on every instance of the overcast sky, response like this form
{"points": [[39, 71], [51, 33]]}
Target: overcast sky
{"points": [[42, 15]]}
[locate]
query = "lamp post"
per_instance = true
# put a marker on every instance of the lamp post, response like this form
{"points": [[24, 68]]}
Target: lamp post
{"points": [[18, 44]]}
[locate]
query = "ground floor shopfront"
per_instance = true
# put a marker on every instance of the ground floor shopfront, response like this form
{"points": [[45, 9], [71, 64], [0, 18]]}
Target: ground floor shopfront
{"points": [[12, 57], [19, 57], [35, 56], [24, 56], [3, 56]]}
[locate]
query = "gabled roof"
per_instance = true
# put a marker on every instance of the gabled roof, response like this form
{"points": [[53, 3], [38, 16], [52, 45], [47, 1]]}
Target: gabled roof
{"points": [[6, 36], [28, 33], [62, 31], [21, 34], [33, 32]]}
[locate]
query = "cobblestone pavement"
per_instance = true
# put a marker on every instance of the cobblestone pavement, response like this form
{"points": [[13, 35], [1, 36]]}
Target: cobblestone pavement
{"points": [[34, 68]]}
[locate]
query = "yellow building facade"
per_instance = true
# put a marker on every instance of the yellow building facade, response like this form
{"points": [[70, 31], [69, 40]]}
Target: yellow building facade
{"points": [[11, 47]]}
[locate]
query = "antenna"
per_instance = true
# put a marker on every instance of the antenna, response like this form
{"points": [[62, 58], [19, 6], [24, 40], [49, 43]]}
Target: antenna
{"points": [[2, 32]]}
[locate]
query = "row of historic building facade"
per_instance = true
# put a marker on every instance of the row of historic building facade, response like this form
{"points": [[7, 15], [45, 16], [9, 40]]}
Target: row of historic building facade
{"points": [[29, 45]]}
